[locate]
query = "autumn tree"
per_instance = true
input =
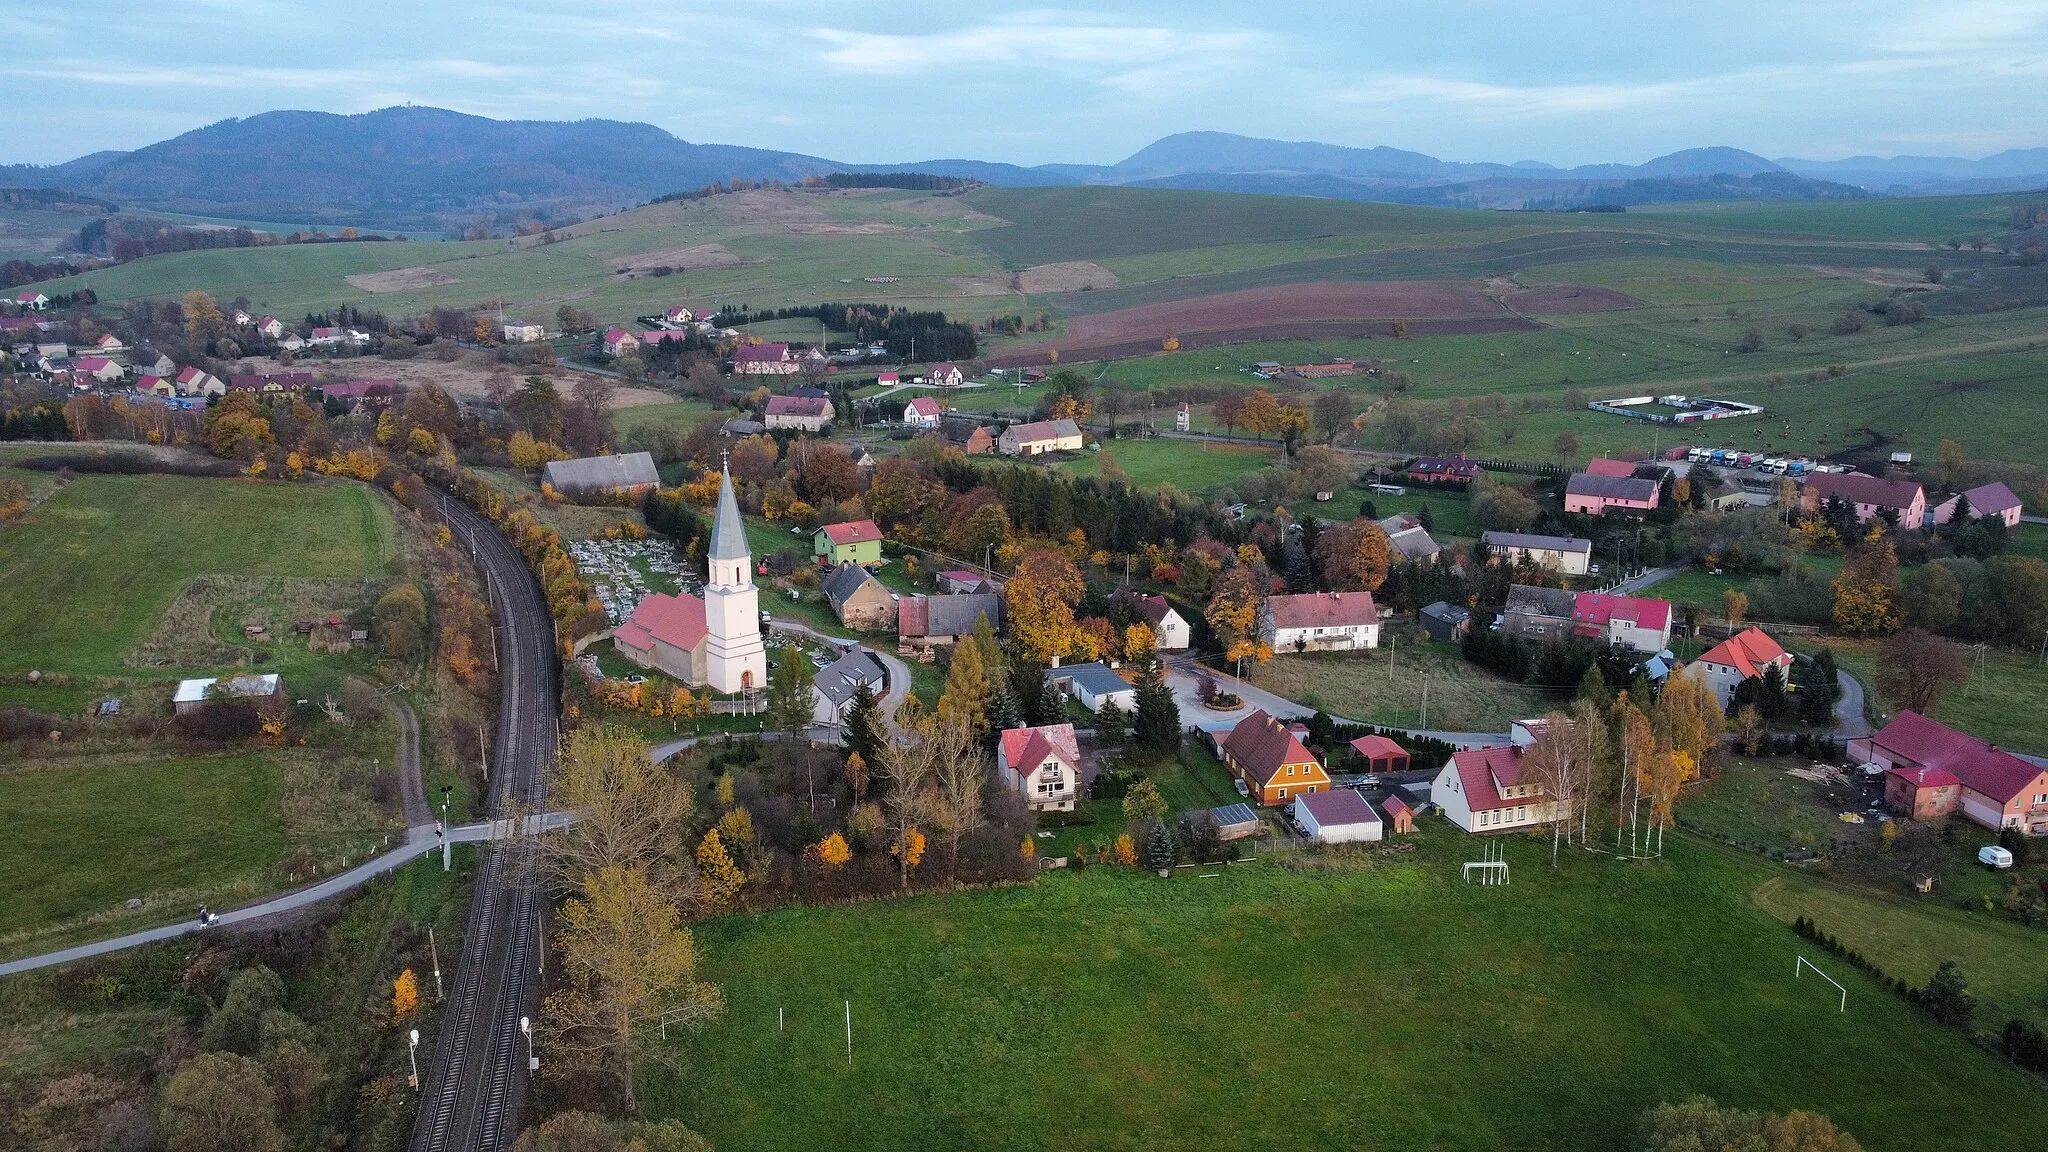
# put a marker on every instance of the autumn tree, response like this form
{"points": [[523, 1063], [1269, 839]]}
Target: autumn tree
{"points": [[1041, 597], [1561, 763], [1565, 446], [913, 769], [405, 995], [1950, 465], [628, 962], [1261, 413], [1688, 717], [1916, 667], [1734, 606], [959, 775], [833, 851], [1699, 1125], [203, 321], [631, 812], [965, 699], [1228, 410], [1866, 591], [1320, 469], [1143, 805], [399, 621], [220, 1102], [1333, 411], [1233, 612]]}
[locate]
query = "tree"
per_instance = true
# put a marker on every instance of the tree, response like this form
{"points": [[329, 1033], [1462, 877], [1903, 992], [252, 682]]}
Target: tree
{"points": [[631, 811], [1700, 1125], [1734, 605], [1752, 340], [913, 767], [1866, 601], [833, 851], [219, 1102], [1333, 411], [627, 960], [1320, 469], [1565, 446], [400, 621], [1228, 410], [789, 691], [1916, 667], [1143, 805], [203, 322], [719, 879], [1155, 730], [1041, 598], [1503, 508], [1750, 732], [1931, 597], [1233, 611], [1947, 996], [959, 773], [1561, 764], [965, 698], [1162, 847], [866, 736], [236, 1026], [1371, 556], [1261, 413], [1950, 465], [405, 995]]}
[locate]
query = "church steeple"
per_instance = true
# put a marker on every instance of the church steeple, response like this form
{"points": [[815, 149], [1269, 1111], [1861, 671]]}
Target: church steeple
{"points": [[735, 659], [728, 531]]}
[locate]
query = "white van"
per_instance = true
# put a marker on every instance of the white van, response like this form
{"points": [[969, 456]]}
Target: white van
{"points": [[1993, 856]]}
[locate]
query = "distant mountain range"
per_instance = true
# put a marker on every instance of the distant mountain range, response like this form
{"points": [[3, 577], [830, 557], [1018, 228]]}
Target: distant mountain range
{"points": [[429, 168]]}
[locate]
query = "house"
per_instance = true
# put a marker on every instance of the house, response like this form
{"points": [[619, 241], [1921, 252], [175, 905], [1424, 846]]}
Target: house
{"points": [[156, 363], [98, 368], [1740, 657], [355, 393], [32, 300], [944, 374], [1400, 814], [1170, 630], [1380, 754], [156, 386], [291, 342], [838, 683], [1596, 495], [1271, 760], [927, 620], [524, 333], [1993, 787], [966, 435], [1183, 418], [1602, 466], [854, 542], [601, 477], [922, 412], [666, 633], [1446, 621], [806, 409], [1339, 817], [1413, 546], [859, 600], [242, 319], [1535, 613], [265, 691], [271, 326], [1320, 622], [738, 427], [1482, 790], [1443, 470], [678, 315], [888, 379], [321, 337], [1094, 685], [108, 344], [198, 382], [1040, 437], [1043, 764], [619, 342], [1568, 554], [661, 336], [1628, 621], [958, 580], [1868, 495], [764, 360], [1988, 501]]}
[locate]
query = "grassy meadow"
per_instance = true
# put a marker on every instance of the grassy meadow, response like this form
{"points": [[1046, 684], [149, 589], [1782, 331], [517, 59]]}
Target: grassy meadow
{"points": [[1379, 1004], [1386, 687]]}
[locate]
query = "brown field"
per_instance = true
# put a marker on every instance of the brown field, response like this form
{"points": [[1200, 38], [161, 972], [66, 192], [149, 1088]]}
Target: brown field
{"points": [[400, 280], [1071, 276], [1257, 308], [1565, 298], [694, 256]]}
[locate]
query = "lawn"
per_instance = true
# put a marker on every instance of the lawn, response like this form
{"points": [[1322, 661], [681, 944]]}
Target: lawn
{"points": [[2006, 703], [1197, 467], [1253, 1007], [1386, 686], [95, 566]]}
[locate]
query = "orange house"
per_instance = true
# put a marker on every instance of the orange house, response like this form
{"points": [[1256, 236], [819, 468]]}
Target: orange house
{"points": [[1272, 761]]}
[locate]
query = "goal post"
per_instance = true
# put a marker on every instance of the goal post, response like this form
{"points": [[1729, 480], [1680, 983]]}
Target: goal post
{"points": [[1802, 964]]}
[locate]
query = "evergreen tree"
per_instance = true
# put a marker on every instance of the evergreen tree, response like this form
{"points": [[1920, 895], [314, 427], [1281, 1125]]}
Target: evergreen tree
{"points": [[1593, 686], [1156, 727], [865, 733], [1947, 996], [1162, 847], [1035, 696], [1003, 713], [789, 691], [1112, 725]]}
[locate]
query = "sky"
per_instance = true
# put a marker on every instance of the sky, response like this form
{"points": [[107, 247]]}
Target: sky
{"points": [[1561, 81]]}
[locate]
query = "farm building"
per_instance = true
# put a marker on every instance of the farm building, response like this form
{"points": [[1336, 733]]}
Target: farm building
{"points": [[1990, 501], [739, 427], [524, 333], [806, 410], [1380, 754], [763, 360], [1997, 789], [958, 581], [922, 412], [1568, 554], [1039, 438], [838, 683], [156, 385], [1094, 685], [1400, 814], [1868, 495], [1596, 495], [1271, 760], [601, 477], [966, 435], [265, 691], [1535, 613], [1337, 817], [1320, 622], [1482, 790], [1742, 656], [927, 620], [853, 542], [858, 599], [1170, 630], [1445, 621], [1043, 764], [666, 634], [1182, 419]]}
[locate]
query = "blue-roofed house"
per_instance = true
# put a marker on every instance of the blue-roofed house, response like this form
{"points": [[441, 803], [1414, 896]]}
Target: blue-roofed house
{"points": [[1094, 685]]}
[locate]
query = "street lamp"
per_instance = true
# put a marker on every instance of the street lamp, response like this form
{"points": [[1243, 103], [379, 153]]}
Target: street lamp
{"points": [[412, 1054], [532, 1061]]}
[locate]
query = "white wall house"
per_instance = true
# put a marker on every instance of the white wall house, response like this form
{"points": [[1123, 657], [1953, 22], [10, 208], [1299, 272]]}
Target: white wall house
{"points": [[1320, 622], [1094, 685], [1169, 628], [1043, 765], [1482, 790]]}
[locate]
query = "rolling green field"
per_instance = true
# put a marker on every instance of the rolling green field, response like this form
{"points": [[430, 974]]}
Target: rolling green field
{"points": [[1387, 685], [1195, 467], [2005, 701], [89, 573], [1386, 1006]]}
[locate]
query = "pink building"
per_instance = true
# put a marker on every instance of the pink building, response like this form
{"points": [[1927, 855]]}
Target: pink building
{"points": [[1869, 495], [1630, 621], [1595, 494], [1993, 500]]}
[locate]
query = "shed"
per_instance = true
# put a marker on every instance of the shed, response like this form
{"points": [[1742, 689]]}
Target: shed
{"points": [[1381, 754], [1094, 685], [1340, 816], [1400, 814], [1446, 621], [1234, 821]]}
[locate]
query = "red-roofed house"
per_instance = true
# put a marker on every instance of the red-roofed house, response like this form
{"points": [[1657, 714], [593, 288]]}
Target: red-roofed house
{"points": [[32, 300], [97, 368], [1320, 622], [357, 391], [1381, 754], [1602, 466], [763, 360], [1741, 656], [1998, 789], [666, 633], [1043, 764], [854, 542], [1922, 793], [198, 382], [156, 385], [1643, 625], [271, 326], [1443, 469], [678, 315], [1869, 495], [1170, 632], [1482, 790], [1271, 760], [944, 374], [1594, 494], [808, 412], [619, 342], [923, 412], [1993, 500]]}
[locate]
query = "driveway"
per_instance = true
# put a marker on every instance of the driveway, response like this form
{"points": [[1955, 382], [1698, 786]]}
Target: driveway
{"points": [[1849, 721]]}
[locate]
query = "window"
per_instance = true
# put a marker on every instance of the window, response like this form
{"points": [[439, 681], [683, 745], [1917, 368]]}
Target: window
{"points": [[1290, 769], [1283, 793]]}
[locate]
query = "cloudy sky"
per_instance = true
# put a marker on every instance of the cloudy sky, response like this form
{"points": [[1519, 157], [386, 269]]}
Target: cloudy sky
{"points": [[1563, 81]]}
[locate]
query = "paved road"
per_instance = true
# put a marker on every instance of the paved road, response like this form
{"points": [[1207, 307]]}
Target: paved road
{"points": [[899, 672], [1849, 721], [1635, 584]]}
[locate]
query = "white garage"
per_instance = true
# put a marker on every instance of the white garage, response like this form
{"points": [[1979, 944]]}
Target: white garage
{"points": [[1339, 816]]}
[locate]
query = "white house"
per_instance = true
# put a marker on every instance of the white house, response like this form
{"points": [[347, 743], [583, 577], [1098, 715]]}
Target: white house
{"points": [[944, 374], [1482, 790], [1040, 437], [619, 342], [1320, 622], [1095, 685], [32, 301], [271, 326], [99, 368], [524, 333], [1627, 621], [1568, 554], [838, 683], [1747, 653], [1043, 764], [1169, 628], [922, 412], [1182, 418], [1339, 816]]}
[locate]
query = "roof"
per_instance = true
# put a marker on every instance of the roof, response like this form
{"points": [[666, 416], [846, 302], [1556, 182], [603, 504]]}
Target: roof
{"points": [[852, 532], [1602, 466], [1231, 815], [948, 615], [1989, 498], [1337, 807], [674, 620], [923, 406], [1478, 768], [728, 531], [793, 405], [760, 353], [601, 473], [190, 691], [1458, 464], [1925, 777], [1394, 802], [92, 363], [1155, 609], [1374, 747], [959, 429], [839, 680], [1526, 541], [1558, 602], [1599, 608], [1611, 487], [1044, 430], [942, 368], [358, 389], [1096, 678], [1262, 746], [845, 580], [1446, 611], [1324, 610], [741, 427], [1032, 745], [615, 334], [1857, 488], [1413, 543], [1747, 652], [1982, 767]]}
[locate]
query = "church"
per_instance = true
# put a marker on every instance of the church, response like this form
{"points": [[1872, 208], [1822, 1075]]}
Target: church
{"points": [[714, 642]]}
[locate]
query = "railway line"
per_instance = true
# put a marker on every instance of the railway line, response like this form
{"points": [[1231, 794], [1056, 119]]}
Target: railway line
{"points": [[476, 1079]]}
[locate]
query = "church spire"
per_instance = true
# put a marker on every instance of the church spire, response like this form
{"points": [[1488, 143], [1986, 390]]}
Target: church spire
{"points": [[728, 533]]}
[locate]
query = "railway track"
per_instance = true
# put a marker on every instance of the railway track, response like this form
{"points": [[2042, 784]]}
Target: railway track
{"points": [[476, 1079]]}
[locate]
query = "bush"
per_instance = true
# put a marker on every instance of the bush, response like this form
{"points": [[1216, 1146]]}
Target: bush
{"points": [[219, 721], [2024, 1045], [237, 1025]]}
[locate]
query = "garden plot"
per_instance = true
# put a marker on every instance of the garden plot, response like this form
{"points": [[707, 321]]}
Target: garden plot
{"points": [[620, 572]]}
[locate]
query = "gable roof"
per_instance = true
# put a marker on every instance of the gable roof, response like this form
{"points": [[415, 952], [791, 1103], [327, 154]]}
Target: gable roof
{"points": [[1043, 430], [846, 580], [1414, 543], [1456, 465], [1526, 541], [673, 620], [358, 389], [1031, 746], [1990, 498], [1337, 807], [1324, 610], [1479, 768], [1602, 466], [1611, 487], [1155, 609], [1262, 746], [601, 473], [615, 334], [1447, 612], [923, 406], [789, 404], [1857, 488], [852, 532], [954, 615], [1374, 747], [1558, 602], [1598, 608], [842, 678], [1096, 677], [760, 353], [1925, 777], [1748, 651], [1982, 767]]}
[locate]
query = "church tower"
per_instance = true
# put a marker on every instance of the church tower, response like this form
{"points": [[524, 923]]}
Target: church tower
{"points": [[735, 660]]}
